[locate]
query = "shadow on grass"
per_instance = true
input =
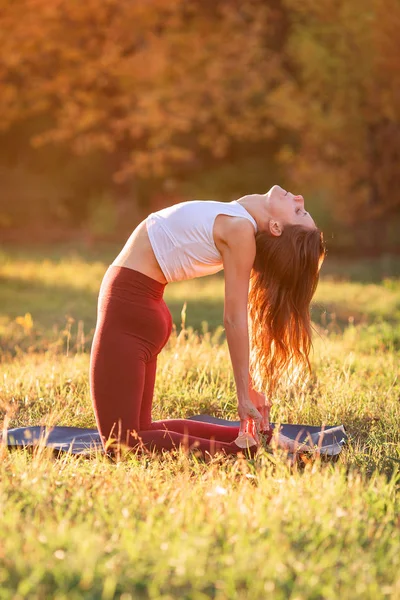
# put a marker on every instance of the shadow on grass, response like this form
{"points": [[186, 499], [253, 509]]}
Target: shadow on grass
{"points": [[52, 305], [55, 307], [362, 270]]}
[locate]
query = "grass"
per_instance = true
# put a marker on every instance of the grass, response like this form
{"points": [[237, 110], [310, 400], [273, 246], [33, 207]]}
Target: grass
{"points": [[60, 293], [172, 526]]}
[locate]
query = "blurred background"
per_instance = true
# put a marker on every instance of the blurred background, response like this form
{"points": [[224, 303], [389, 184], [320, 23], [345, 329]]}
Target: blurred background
{"points": [[112, 109]]}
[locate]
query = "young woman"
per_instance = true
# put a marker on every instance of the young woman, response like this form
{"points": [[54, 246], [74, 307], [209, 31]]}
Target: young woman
{"points": [[271, 252]]}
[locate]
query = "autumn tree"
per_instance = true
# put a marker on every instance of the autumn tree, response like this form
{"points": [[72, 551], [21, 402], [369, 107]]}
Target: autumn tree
{"points": [[152, 84], [163, 86], [347, 60]]}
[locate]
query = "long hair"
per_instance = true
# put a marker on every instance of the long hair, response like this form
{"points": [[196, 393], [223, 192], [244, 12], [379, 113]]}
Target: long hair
{"points": [[283, 281]]}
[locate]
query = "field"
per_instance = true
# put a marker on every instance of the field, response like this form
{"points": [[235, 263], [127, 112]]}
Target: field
{"points": [[174, 526]]}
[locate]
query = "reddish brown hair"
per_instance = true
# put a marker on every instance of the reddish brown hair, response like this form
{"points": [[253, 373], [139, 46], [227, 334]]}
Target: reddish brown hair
{"points": [[283, 281]]}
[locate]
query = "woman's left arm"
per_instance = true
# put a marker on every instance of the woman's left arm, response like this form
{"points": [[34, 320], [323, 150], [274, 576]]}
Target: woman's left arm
{"points": [[237, 248]]}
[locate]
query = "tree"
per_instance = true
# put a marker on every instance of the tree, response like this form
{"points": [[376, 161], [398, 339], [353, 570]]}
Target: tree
{"points": [[153, 84], [347, 57]]}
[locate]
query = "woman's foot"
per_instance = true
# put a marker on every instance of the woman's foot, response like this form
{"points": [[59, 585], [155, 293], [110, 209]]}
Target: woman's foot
{"points": [[292, 446]]}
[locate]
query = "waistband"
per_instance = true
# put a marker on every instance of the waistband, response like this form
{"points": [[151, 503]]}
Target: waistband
{"points": [[128, 283]]}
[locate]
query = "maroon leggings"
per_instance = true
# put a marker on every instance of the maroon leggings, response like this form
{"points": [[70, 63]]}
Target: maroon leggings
{"points": [[133, 325]]}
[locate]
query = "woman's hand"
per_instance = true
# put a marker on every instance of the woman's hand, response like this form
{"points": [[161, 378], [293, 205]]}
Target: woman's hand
{"points": [[263, 405], [250, 418]]}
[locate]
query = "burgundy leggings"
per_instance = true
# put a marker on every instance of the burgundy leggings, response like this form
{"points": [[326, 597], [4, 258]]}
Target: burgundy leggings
{"points": [[133, 325]]}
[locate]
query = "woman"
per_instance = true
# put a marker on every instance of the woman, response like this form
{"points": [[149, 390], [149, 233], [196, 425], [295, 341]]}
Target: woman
{"points": [[265, 241]]}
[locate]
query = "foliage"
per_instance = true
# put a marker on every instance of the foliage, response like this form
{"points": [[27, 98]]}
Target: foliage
{"points": [[348, 64], [167, 91], [149, 83]]}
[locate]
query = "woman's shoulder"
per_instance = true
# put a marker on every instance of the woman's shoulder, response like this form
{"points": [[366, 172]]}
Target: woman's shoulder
{"points": [[235, 233]]}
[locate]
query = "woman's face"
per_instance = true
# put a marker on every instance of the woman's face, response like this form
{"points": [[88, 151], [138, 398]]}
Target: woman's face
{"points": [[288, 209]]}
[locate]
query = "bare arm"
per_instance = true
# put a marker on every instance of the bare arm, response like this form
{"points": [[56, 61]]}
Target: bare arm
{"points": [[238, 252]]}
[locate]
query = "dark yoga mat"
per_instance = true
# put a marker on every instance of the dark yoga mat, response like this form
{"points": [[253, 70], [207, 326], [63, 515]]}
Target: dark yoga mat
{"points": [[330, 439], [78, 440]]}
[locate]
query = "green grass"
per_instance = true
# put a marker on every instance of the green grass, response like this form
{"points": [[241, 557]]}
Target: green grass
{"points": [[173, 526], [60, 293]]}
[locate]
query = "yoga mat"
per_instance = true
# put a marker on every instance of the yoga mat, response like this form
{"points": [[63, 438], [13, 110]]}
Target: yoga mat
{"points": [[330, 439], [78, 440]]}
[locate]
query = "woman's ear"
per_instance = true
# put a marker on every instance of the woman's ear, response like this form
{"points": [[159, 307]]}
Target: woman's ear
{"points": [[275, 228]]}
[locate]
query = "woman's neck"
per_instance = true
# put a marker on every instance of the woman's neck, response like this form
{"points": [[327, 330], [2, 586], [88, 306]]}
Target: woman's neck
{"points": [[256, 206]]}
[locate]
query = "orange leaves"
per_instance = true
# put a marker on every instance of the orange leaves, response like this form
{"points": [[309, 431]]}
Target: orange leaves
{"points": [[159, 84], [153, 81]]}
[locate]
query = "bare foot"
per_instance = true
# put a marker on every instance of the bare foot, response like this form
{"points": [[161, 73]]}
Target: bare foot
{"points": [[281, 441]]}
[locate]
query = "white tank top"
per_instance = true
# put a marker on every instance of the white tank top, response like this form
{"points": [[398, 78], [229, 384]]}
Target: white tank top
{"points": [[182, 237]]}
